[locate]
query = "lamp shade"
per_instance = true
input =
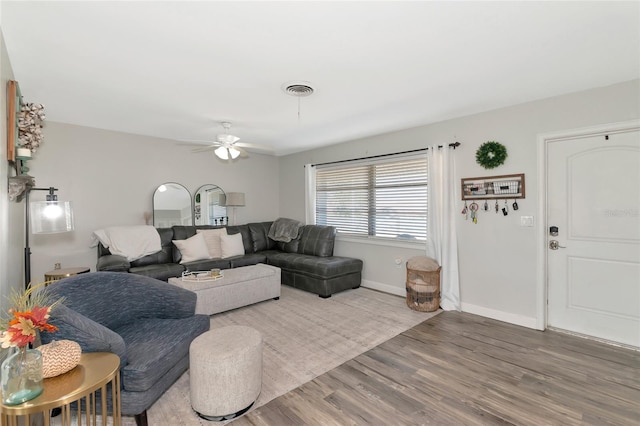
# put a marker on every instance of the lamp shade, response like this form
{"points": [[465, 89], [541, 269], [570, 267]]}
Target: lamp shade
{"points": [[50, 217], [234, 153], [222, 153], [235, 199]]}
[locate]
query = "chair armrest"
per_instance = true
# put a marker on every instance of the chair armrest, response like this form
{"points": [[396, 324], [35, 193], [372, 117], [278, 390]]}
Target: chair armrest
{"points": [[90, 335], [113, 263]]}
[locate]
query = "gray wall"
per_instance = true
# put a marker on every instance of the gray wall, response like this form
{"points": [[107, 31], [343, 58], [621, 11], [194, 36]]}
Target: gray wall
{"points": [[11, 213], [497, 256], [110, 178]]}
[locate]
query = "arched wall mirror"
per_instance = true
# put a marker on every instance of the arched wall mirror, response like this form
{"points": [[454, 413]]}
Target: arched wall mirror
{"points": [[171, 205], [209, 206]]}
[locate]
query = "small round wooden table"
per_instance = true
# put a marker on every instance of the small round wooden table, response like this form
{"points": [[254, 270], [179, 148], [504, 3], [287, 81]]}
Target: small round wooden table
{"points": [[97, 371], [58, 274]]}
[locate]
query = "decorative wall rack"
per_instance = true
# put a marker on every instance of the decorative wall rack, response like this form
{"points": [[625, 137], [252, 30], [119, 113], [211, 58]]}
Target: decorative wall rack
{"points": [[493, 187]]}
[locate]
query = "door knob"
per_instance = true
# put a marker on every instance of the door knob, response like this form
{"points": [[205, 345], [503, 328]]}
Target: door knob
{"points": [[555, 245]]}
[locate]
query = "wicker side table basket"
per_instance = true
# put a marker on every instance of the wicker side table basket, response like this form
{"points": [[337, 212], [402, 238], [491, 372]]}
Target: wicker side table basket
{"points": [[423, 284]]}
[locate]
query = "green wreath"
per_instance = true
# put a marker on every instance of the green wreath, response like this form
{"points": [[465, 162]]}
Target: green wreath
{"points": [[491, 154]]}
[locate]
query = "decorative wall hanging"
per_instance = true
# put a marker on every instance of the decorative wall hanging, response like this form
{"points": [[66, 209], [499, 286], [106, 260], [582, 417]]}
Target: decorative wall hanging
{"points": [[491, 154], [24, 128], [30, 135], [494, 187], [13, 108], [30, 121]]}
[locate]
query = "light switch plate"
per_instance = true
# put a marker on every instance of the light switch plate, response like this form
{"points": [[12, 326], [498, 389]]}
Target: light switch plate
{"points": [[526, 221]]}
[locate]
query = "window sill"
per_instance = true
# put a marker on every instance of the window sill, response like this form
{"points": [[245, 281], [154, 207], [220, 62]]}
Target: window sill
{"points": [[415, 245]]}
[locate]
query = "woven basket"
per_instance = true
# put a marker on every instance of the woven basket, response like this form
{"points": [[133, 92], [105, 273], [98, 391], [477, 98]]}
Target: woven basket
{"points": [[423, 284], [59, 356]]}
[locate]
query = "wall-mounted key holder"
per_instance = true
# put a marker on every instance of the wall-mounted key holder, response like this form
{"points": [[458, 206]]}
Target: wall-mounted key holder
{"points": [[494, 187]]}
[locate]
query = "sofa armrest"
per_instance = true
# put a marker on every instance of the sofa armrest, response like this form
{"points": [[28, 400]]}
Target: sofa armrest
{"points": [[91, 336], [113, 263]]}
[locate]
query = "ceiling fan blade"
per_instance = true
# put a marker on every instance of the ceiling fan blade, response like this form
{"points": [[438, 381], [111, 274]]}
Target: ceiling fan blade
{"points": [[243, 153], [254, 146], [198, 143], [205, 148]]}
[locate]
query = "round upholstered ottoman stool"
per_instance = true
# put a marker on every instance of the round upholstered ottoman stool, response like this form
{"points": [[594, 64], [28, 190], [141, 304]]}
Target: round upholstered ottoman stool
{"points": [[225, 372]]}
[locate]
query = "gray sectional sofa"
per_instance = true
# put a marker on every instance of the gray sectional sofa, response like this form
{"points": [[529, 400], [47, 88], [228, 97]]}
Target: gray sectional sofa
{"points": [[306, 262]]}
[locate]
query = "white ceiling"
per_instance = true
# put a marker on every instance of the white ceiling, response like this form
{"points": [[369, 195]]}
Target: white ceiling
{"points": [[176, 69]]}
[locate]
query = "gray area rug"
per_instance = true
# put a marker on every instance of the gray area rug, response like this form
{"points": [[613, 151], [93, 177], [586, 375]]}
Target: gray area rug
{"points": [[304, 336]]}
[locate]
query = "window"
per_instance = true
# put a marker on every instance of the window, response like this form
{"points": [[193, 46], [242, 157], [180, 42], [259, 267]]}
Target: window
{"points": [[383, 199]]}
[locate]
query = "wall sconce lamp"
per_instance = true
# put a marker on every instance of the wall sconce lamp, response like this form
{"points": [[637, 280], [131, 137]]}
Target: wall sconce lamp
{"points": [[233, 200], [45, 217]]}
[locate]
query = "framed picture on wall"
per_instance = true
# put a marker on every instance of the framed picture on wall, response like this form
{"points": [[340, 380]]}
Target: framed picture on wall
{"points": [[13, 108]]}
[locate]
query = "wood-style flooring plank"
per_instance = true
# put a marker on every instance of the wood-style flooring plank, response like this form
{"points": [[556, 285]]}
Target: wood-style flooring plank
{"points": [[461, 369]]}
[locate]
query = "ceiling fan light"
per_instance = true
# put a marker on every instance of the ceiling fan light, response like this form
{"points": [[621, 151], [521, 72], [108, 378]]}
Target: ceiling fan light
{"points": [[234, 153], [222, 153]]}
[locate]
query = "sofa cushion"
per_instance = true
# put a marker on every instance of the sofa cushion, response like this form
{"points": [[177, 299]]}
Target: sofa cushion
{"points": [[163, 256], [151, 357], [317, 240], [231, 245], [181, 232], [212, 239], [260, 236], [162, 271], [194, 248], [207, 265], [248, 259], [290, 247], [314, 266], [246, 236], [113, 262]]}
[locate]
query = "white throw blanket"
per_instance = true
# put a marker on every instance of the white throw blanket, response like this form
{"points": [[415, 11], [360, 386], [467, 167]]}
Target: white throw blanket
{"points": [[132, 242]]}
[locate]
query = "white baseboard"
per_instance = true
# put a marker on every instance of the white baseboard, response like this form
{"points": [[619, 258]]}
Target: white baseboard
{"points": [[500, 315], [385, 288], [466, 307]]}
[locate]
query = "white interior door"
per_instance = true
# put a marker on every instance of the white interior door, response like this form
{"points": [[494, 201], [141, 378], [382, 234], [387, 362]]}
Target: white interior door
{"points": [[593, 198]]}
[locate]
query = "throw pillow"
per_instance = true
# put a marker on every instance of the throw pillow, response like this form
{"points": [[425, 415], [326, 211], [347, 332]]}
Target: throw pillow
{"points": [[191, 249], [231, 245], [212, 239]]}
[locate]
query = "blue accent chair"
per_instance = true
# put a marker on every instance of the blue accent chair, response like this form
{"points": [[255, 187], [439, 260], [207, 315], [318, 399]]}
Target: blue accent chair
{"points": [[148, 323]]}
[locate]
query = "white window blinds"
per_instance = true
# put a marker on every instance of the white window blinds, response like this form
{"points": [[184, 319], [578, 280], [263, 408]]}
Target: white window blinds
{"points": [[387, 199]]}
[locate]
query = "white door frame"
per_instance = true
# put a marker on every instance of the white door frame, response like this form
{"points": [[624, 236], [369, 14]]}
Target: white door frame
{"points": [[543, 142]]}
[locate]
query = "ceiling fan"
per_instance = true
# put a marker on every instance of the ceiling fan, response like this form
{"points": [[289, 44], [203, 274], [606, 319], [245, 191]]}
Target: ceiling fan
{"points": [[226, 145]]}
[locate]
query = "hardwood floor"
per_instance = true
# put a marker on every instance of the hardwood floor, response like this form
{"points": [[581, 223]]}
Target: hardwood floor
{"points": [[462, 369]]}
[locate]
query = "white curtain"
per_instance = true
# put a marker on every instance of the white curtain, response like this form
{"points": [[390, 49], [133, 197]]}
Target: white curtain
{"points": [[442, 242], [309, 194]]}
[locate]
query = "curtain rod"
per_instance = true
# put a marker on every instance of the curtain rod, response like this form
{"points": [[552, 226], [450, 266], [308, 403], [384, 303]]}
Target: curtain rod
{"points": [[451, 145]]}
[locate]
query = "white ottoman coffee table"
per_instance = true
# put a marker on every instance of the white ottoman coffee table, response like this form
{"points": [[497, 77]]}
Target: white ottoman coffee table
{"points": [[239, 287], [225, 372]]}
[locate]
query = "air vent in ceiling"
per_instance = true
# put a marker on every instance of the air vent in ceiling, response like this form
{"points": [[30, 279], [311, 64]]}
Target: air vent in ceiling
{"points": [[297, 89]]}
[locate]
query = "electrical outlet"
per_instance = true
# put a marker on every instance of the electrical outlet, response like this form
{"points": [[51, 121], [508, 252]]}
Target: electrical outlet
{"points": [[398, 261]]}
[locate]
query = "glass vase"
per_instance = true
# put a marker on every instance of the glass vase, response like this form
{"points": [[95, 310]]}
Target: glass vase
{"points": [[21, 376]]}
